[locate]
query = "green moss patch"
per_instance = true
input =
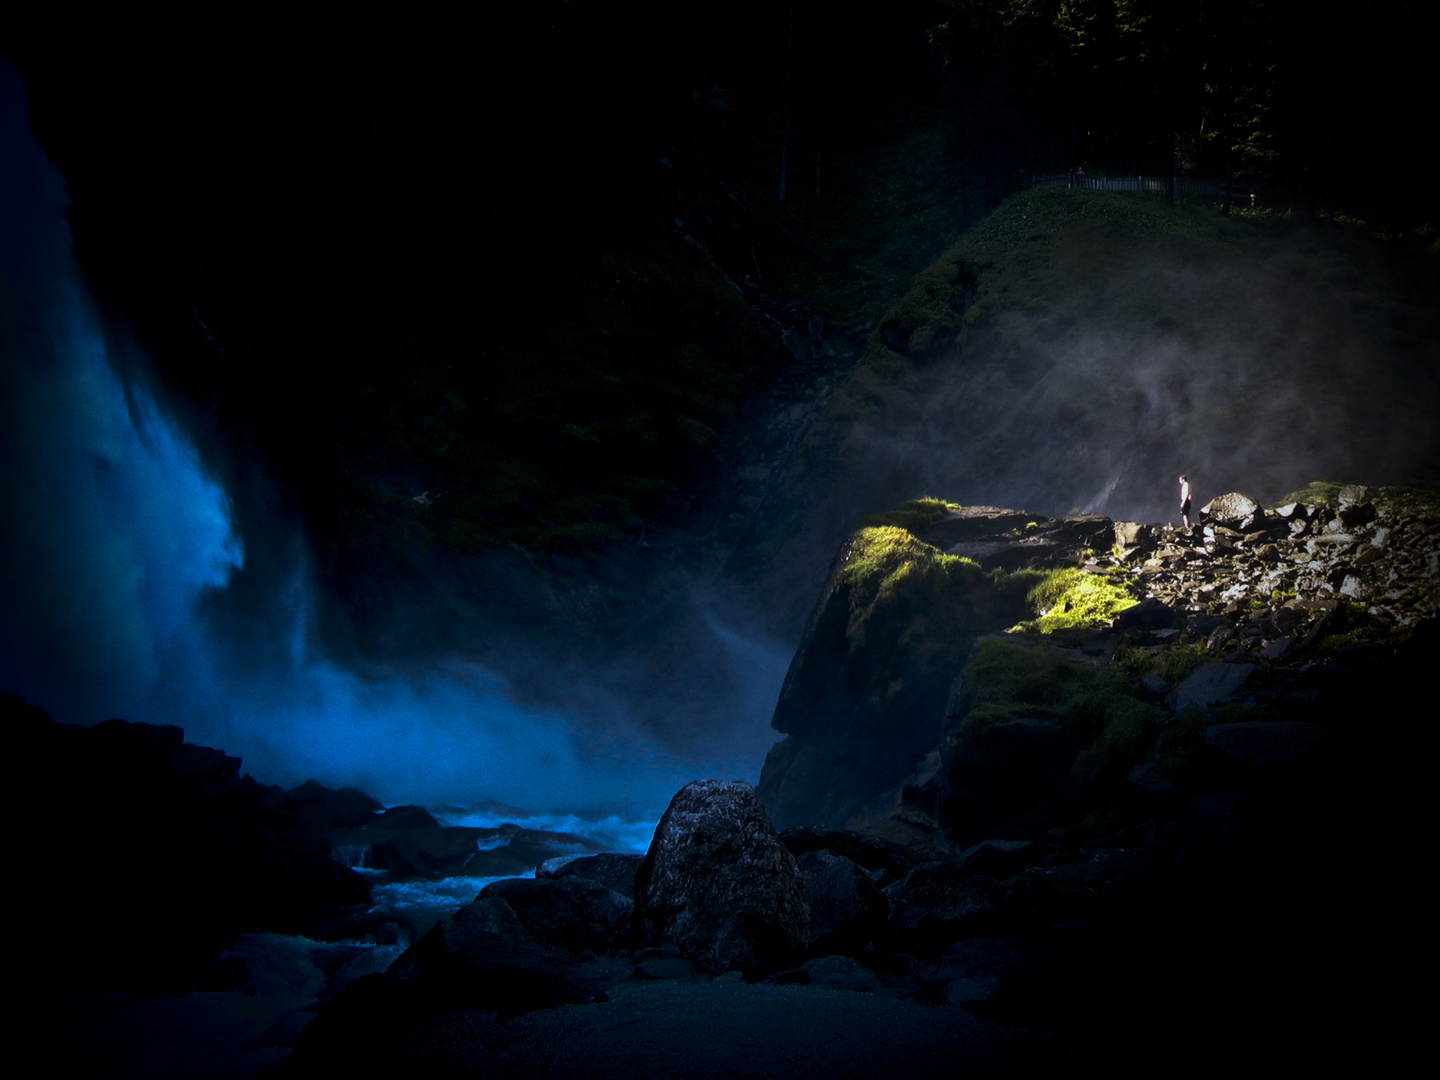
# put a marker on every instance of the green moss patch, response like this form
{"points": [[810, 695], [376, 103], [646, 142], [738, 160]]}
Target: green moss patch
{"points": [[1353, 626], [1318, 493], [1172, 664], [912, 516], [1006, 681], [887, 567], [1069, 597]]}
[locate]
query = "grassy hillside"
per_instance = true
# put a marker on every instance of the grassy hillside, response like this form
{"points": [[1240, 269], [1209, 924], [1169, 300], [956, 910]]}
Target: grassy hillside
{"points": [[1078, 351]]}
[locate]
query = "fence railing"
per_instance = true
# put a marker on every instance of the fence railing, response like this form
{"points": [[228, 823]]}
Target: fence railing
{"points": [[1179, 187]]}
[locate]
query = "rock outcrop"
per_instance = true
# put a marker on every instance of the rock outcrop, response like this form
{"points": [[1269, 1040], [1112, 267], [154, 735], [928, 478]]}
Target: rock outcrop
{"points": [[718, 886], [153, 851], [407, 841], [1112, 816], [1139, 639], [907, 596]]}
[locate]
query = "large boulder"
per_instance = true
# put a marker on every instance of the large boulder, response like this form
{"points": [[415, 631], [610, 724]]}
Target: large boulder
{"points": [[609, 868], [1265, 743], [1234, 510], [868, 690], [718, 886], [860, 711], [485, 951], [847, 909], [939, 903], [570, 913], [1209, 684], [885, 861], [318, 808]]}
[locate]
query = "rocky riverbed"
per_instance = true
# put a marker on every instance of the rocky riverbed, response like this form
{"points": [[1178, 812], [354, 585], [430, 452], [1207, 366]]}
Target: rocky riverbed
{"points": [[1127, 839], [1053, 791]]}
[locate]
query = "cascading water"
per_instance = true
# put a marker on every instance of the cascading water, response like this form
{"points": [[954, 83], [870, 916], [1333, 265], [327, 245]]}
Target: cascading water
{"points": [[113, 534]]}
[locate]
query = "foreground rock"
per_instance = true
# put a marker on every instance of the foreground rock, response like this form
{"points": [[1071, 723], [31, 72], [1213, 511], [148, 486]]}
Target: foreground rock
{"points": [[151, 854], [487, 954], [718, 886], [868, 690]]}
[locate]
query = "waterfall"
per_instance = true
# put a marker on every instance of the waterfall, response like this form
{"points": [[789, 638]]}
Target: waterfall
{"points": [[113, 534]]}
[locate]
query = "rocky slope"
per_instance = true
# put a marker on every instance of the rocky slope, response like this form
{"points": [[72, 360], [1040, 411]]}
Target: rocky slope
{"points": [[1075, 352], [1106, 829], [192, 854], [924, 704]]}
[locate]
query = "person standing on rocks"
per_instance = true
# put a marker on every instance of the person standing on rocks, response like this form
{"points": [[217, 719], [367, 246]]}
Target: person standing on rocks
{"points": [[1185, 501]]}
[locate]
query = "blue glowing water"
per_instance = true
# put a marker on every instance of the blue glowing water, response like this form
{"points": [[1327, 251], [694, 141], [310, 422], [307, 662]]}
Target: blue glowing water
{"points": [[113, 533]]}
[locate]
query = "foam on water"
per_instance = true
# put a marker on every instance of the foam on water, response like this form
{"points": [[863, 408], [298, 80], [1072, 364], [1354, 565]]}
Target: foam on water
{"points": [[611, 833]]}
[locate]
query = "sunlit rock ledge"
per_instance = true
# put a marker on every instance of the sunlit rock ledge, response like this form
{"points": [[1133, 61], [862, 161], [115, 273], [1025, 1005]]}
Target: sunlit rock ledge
{"points": [[976, 672]]}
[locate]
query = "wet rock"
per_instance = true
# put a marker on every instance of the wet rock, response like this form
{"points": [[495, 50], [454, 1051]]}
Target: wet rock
{"points": [[1148, 776], [1019, 771], [318, 809], [1261, 744], [939, 903], [189, 852], [847, 908], [1209, 684], [1354, 515], [1154, 686], [978, 989], [667, 968], [884, 860], [404, 818], [484, 949], [1353, 494], [1133, 533], [1277, 649], [613, 870], [1150, 614], [718, 886], [842, 973], [570, 913], [1356, 587], [420, 851], [998, 858], [1287, 619], [1205, 624]]}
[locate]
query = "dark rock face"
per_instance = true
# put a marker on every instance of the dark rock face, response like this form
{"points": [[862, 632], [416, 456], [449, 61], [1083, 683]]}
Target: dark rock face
{"points": [[1260, 745], [570, 913], [847, 909], [1021, 767], [485, 950], [187, 849], [885, 861], [939, 903], [1208, 684], [609, 868], [718, 886], [407, 841], [866, 693], [319, 809], [892, 723]]}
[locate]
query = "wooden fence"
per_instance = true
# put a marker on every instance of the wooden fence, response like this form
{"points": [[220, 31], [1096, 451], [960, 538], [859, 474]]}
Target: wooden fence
{"points": [[1179, 187]]}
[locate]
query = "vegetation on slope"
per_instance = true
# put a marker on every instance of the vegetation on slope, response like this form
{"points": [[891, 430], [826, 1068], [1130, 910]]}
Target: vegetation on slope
{"points": [[1069, 597]]}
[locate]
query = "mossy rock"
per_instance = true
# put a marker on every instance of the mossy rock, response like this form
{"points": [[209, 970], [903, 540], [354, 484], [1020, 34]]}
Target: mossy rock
{"points": [[1070, 598]]}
